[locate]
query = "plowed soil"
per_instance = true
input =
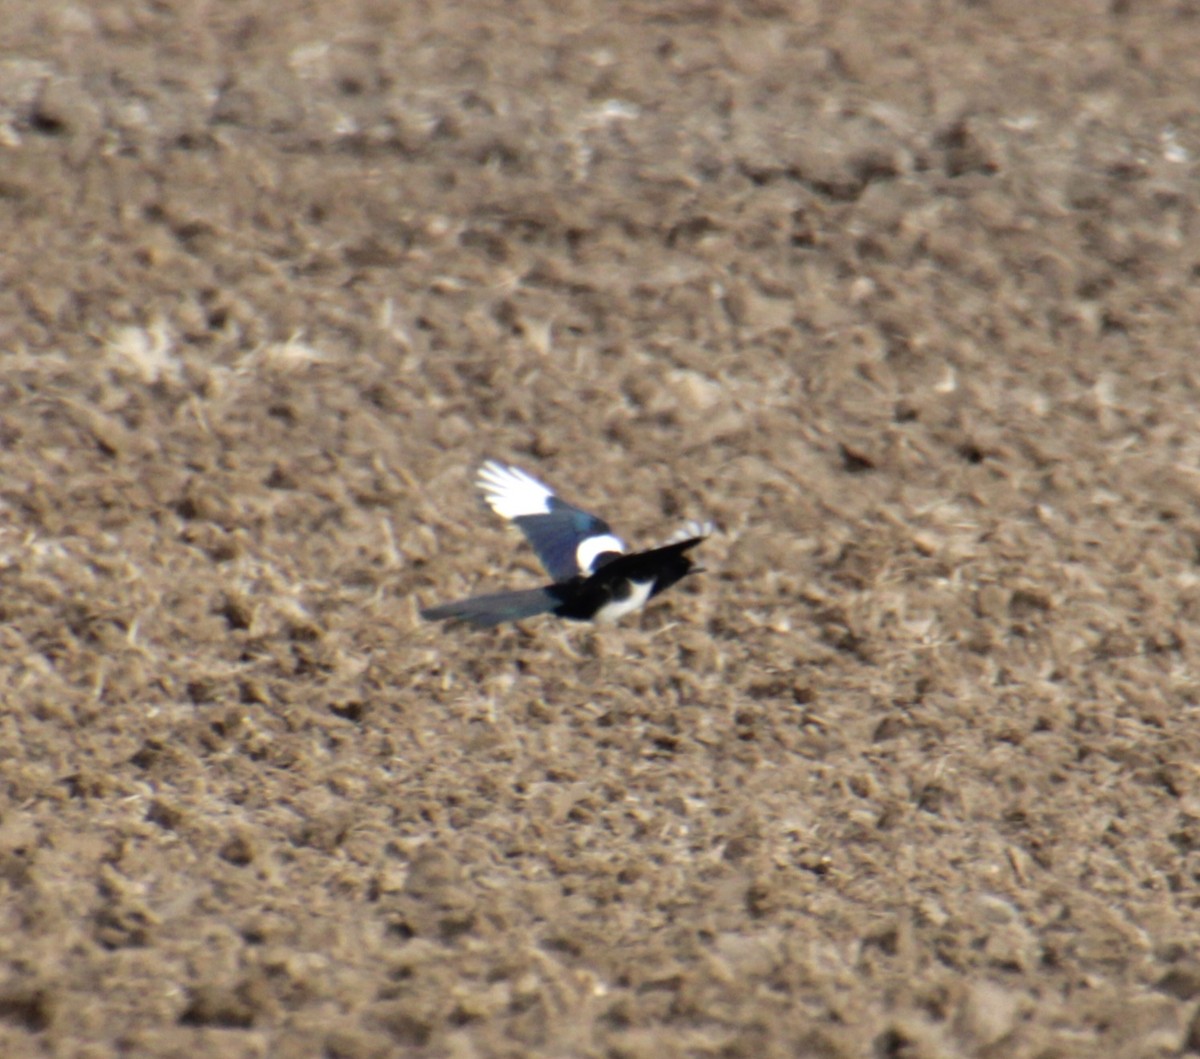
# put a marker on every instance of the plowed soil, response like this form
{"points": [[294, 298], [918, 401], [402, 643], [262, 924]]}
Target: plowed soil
{"points": [[903, 295]]}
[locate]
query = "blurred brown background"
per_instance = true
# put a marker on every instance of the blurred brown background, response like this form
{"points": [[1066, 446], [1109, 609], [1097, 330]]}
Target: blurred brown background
{"points": [[903, 295]]}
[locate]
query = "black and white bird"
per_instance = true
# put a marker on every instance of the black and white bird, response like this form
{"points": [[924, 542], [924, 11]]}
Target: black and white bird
{"points": [[594, 579]]}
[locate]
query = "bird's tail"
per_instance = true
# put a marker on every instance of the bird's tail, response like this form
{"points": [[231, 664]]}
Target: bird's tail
{"points": [[495, 608]]}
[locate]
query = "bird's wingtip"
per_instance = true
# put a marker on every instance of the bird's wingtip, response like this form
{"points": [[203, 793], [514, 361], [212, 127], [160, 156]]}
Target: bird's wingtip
{"points": [[510, 491], [693, 529]]}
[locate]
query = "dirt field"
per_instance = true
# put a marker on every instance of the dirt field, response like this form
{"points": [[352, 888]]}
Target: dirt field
{"points": [[904, 295]]}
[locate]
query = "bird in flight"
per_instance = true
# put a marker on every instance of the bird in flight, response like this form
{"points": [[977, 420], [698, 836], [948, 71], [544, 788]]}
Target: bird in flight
{"points": [[594, 578]]}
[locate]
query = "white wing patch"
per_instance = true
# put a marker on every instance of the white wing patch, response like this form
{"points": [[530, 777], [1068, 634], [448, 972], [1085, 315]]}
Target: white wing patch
{"points": [[691, 529], [591, 548], [511, 493]]}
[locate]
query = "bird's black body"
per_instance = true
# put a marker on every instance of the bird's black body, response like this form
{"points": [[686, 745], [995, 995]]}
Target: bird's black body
{"points": [[594, 579], [580, 598], [584, 598]]}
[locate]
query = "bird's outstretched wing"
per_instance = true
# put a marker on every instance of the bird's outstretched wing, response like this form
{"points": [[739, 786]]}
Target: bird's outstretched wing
{"points": [[692, 528], [568, 541]]}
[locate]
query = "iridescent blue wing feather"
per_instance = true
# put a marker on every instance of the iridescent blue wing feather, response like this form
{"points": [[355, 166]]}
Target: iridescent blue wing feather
{"points": [[568, 541]]}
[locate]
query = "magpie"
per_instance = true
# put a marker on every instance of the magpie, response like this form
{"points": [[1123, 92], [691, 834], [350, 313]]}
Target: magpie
{"points": [[594, 579]]}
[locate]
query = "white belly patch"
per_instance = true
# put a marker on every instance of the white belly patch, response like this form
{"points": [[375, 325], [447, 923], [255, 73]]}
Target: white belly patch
{"points": [[616, 609]]}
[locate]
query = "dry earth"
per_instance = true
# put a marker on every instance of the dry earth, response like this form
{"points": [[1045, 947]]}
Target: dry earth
{"points": [[904, 295]]}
